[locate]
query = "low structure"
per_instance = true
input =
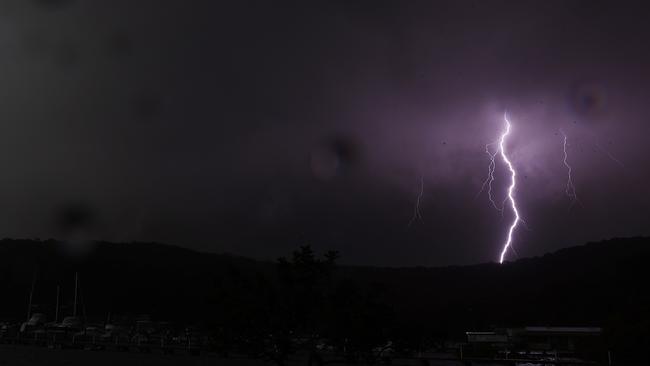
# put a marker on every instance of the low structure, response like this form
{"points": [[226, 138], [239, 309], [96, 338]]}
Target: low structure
{"points": [[537, 342]]}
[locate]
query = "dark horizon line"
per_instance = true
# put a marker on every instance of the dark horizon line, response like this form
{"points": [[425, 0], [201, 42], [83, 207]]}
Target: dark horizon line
{"points": [[270, 261]]}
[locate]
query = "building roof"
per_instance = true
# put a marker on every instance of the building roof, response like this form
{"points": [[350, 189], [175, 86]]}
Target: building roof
{"points": [[573, 330]]}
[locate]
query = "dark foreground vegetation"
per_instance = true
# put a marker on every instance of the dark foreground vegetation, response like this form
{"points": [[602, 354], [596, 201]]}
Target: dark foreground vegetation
{"points": [[307, 304]]}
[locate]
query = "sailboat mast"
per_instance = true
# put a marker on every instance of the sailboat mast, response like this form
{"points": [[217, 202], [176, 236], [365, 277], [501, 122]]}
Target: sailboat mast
{"points": [[76, 283], [56, 311], [31, 295]]}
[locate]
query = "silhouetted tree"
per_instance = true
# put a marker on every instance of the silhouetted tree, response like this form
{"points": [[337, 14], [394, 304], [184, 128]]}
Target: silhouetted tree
{"points": [[304, 284]]}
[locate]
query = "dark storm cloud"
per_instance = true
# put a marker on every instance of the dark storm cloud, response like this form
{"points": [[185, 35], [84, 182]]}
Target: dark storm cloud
{"points": [[254, 127]]}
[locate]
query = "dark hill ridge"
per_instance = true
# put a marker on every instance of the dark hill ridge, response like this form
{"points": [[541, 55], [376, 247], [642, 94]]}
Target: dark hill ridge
{"points": [[580, 285], [595, 284]]}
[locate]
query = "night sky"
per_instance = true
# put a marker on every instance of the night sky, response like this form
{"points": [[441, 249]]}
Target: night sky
{"points": [[253, 128]]}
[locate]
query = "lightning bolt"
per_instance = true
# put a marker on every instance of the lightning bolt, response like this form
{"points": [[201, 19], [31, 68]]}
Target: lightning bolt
{"points": [[416, 210], [511, 188], [570, 189]]}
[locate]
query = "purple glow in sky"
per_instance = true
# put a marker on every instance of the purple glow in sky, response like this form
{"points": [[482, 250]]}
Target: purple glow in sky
{"points": [[251, 128]]}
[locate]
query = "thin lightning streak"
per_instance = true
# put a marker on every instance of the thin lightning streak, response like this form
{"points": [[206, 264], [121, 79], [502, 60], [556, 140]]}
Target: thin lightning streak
{"points": [[490, 177], [416, 210], [608, 154], [511, 189], [605, 151], [512, 247], [570, 189]]}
